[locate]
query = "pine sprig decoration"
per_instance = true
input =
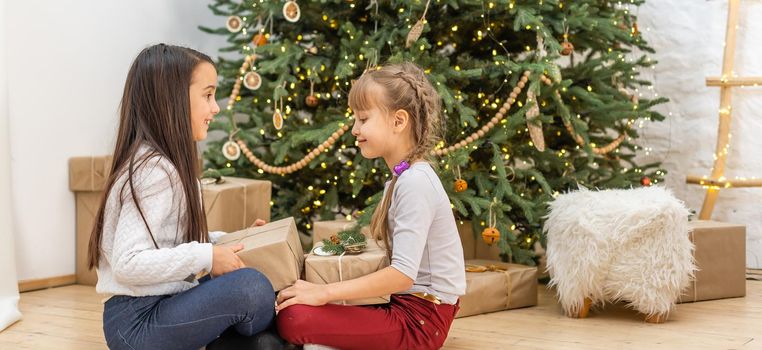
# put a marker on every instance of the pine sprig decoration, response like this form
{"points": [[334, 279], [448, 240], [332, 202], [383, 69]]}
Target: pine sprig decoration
{"points": [[337, 243]]}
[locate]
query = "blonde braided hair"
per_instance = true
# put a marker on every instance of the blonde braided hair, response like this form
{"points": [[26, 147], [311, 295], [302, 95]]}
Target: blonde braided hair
{"points": [[405, 87]]}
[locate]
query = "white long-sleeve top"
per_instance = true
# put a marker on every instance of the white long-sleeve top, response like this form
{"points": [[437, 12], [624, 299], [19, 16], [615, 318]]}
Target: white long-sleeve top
{"points": [[130, 264], [425, 243]]}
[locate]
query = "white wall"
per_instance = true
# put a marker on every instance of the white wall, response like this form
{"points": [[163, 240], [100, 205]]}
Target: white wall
{"points": [[688, 37], [67, 61]]}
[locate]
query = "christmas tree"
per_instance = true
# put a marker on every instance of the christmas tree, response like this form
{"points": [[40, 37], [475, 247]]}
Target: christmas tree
{"points": [[538, 98]]}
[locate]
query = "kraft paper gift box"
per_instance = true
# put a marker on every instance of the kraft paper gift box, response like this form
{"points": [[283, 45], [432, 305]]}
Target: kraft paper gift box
{"points": [[230, 206], [473, 245], [273, 249], [329, 269], [720, 256], [87, 177], [491, 291], [325, 229], [236, 203]]}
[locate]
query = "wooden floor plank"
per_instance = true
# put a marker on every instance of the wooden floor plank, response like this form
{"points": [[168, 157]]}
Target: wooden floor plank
{"points": [[71, 318]]}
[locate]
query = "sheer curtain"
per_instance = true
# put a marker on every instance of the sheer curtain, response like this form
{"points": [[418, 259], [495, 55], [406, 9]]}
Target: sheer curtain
{"points": [[9, 292]]}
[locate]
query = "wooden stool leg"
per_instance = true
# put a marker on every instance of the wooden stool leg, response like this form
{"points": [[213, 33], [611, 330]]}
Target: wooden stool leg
{"points": [[584, 311], [585, 308], [657, 318]]}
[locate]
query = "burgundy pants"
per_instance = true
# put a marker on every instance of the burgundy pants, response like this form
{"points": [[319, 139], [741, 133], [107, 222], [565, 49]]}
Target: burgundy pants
{"points": [[407, 322]]}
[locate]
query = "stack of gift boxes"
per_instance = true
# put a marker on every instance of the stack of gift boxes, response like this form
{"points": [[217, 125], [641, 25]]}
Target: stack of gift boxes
{"points": [[275, 249], [230, 206], [491, 284]]}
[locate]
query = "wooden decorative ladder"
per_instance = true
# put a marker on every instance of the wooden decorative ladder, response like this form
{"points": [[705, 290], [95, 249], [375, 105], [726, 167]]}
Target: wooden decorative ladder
{"points": [[717, 181]]}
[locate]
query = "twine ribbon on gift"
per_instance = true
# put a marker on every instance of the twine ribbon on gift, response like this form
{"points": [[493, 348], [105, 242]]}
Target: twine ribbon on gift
{"points": [[341, 275], [482, 268], [245, 205]]}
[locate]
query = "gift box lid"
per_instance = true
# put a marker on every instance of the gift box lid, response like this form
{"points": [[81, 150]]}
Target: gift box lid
{"points": [[89, 174], [373, 254], [271, 233], [503, 265], [703, 224]]}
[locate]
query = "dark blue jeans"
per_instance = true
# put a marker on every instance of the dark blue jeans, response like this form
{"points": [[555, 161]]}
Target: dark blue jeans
{"points": [[243, 299]]}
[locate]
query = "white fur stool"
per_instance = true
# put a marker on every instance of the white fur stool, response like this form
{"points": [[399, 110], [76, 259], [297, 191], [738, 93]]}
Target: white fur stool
{"points": [[630, 245]]}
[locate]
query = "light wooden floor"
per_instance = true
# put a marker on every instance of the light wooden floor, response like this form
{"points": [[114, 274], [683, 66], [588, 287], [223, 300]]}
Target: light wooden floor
{"points": [[70, 318]]}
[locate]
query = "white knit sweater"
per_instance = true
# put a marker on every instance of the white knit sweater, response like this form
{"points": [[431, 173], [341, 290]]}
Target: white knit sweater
{"points": [[130, 264]]}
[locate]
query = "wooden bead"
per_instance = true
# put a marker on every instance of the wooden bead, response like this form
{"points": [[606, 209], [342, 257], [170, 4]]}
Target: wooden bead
{"points": [[332, 139], [321, 148], [521, 85], [345, 127], [339, 132], [499, 115], [480, 133], [470, 139], [451, 148], [462, 143], [491, 124], [502, 111], [495, 120]]}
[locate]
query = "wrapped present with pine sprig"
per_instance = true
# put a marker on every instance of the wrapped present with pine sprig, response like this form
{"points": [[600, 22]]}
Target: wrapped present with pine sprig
{"points": [[325, 229], [345, 256]]}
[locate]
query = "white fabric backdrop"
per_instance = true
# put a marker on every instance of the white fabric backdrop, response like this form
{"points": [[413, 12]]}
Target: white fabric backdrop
{"points": [[9, 293]]}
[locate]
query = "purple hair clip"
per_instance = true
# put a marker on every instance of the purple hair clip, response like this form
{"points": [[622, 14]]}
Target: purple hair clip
{"points": [[401, 167]]}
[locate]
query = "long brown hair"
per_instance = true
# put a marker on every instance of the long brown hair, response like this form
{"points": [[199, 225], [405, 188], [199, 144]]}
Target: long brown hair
{"points": [[155, 111], [405, 87]]}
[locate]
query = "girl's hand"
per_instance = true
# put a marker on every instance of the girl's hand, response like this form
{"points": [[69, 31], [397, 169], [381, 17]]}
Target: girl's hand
{"points": [[225, 260], [258, 222], [303, 292]]}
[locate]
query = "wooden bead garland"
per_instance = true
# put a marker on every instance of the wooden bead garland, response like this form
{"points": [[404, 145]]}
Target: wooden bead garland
{"points": [[298, 165], [237, 86]]}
